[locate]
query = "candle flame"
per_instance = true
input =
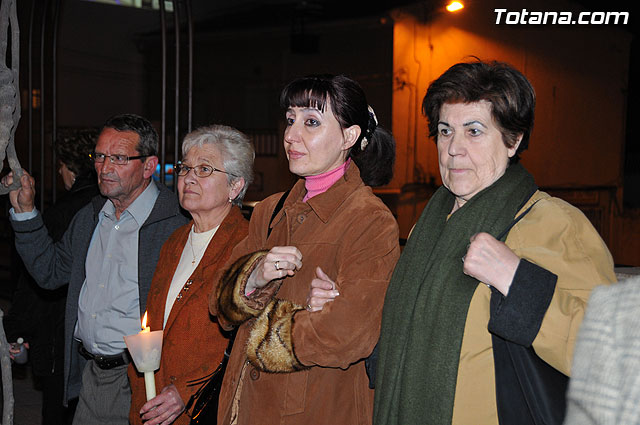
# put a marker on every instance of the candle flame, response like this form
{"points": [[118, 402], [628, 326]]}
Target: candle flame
{"points": [[144, 321]]}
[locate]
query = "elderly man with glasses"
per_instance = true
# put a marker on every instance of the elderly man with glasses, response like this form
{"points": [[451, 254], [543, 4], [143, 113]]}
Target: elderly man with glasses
{"points": [[108, 256]]}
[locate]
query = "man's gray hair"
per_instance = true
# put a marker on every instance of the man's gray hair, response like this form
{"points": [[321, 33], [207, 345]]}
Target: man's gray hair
{"points": [[148, 143]]}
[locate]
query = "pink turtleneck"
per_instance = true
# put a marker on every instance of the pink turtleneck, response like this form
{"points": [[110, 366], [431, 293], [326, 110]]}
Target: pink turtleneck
{"points": [[316, 185]]}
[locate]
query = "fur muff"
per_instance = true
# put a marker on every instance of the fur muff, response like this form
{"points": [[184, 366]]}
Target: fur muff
{"points": [[270, 347], [230, 292]]}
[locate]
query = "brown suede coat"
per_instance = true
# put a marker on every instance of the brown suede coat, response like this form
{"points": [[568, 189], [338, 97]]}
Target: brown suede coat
{"points": [[192, 345], [353, 237]]}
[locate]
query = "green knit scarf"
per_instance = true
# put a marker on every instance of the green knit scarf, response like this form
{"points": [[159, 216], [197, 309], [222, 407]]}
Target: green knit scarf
{"points": [[426, 305]]}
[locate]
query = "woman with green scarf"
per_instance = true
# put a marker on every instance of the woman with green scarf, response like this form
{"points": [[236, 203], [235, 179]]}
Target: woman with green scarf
{"points": [[482, 311]]}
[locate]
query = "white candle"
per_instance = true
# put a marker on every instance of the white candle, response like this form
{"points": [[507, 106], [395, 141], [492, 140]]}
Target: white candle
{"points": [[150, 385], [149, 378]]}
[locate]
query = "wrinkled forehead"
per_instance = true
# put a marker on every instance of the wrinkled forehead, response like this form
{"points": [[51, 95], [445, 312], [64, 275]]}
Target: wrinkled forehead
{"points": [[480, 108], [114, 141], [206, 153]]}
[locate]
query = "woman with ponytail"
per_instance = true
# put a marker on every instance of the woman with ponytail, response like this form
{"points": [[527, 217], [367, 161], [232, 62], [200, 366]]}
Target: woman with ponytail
{"points": [[306, 287]]}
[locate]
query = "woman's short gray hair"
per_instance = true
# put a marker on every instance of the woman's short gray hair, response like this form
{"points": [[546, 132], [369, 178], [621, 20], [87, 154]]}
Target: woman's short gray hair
{"points": [[234, 146]]}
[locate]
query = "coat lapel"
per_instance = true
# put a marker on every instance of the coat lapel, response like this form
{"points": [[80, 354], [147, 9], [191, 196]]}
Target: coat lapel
{"points": [[207, 267], [156, 300]]}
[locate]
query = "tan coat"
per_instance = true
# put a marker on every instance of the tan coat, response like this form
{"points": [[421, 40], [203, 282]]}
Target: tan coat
{"points": [[353, 237], [192, 345], [559, 238]]}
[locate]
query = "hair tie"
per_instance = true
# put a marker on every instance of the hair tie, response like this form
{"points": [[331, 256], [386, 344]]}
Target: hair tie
{"points": [[363, 143], [370, 129], [372, 114]]}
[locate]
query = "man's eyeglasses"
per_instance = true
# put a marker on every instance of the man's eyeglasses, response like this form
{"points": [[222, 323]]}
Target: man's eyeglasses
{"points": [[201, 170], [116, 159]]}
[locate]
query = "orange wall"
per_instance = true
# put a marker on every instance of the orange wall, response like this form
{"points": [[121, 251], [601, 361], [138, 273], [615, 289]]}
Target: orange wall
{"points": [[579, 74]]}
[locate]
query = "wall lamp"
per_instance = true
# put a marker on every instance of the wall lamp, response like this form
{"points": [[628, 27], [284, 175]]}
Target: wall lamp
{"points": [[454, 6]]}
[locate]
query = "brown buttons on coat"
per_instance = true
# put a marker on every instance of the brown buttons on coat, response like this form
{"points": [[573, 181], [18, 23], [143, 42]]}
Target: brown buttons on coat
{"points": [[301, 218], [254, 373]]}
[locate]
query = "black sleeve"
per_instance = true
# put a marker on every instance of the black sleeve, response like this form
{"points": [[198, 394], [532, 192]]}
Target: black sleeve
{"points": [[518, 316]]}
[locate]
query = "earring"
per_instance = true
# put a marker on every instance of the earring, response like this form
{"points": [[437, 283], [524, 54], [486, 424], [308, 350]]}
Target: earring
{"points": [[230, 200]]}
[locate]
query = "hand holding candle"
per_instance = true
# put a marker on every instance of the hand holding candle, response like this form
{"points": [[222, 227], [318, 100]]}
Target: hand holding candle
{"points": [[145, 348]]}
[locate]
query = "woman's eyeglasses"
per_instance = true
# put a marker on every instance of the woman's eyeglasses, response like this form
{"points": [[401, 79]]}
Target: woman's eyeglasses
{"points": [[201, 170]]}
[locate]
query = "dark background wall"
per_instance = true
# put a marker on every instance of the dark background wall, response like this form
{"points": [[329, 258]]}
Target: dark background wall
{"points": [[108, 61]]}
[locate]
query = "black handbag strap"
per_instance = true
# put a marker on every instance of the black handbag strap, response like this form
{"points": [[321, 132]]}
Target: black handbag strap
{"points": [[506, 231], [225, 357], [276, 210]]}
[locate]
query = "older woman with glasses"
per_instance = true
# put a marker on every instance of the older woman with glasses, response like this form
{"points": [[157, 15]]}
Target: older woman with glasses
{"points": [[212, 180], [483, 308]]}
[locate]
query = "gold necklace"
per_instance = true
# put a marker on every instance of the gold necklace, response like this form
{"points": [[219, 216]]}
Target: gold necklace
{"points": [[193, 252]]}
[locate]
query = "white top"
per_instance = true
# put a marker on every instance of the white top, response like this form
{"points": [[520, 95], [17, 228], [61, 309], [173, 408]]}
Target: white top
{"points": [[192, 253]]}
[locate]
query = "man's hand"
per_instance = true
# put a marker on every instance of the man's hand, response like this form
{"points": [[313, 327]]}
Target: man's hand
{"points": [[22, 199]]}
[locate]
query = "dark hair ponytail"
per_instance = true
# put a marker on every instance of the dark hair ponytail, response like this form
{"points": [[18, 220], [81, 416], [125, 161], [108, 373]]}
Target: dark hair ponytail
{"points": [[377, 158], [375, 150]]}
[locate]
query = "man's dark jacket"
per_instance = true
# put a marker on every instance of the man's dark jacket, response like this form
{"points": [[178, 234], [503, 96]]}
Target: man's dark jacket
{"points": [[54, 264]]}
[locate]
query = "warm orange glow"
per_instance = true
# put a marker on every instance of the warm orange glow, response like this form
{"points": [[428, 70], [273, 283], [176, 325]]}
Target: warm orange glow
{"points": [[144, 321], [454, 6]]}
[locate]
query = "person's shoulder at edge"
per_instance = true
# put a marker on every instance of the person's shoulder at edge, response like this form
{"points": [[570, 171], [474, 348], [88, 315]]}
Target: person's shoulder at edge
{"points": [[610, 297]]}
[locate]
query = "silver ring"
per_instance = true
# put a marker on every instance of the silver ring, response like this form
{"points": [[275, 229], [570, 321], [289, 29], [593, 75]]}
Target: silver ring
{"points": [[276, 265], [309, 307]]}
